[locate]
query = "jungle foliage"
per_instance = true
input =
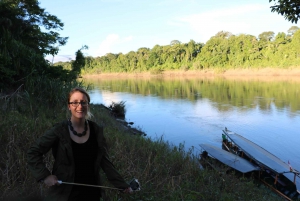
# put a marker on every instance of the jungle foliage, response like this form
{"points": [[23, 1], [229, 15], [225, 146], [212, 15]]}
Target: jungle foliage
{"points": [[28, 33], [222, 51]]}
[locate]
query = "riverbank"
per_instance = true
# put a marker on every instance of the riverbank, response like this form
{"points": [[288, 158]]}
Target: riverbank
{"points": [[262, 73], [165, 172]]}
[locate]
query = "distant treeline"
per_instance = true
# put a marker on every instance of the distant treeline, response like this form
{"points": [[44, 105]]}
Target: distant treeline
{"points": [[222, 51]]}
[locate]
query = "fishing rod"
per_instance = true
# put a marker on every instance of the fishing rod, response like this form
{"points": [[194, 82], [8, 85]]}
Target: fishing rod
{"points": [[79, 184], [134, 185]]}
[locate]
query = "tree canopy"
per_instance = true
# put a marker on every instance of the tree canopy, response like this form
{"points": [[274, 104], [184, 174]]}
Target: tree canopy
{"points": [[29, 33], [290, 9]]}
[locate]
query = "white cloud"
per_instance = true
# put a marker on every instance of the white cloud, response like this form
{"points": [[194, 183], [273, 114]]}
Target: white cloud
{"points": [[248, 19], [128, 38], [111, 41], [107, 44]]}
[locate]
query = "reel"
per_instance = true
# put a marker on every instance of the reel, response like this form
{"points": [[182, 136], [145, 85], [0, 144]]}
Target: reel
{"points": [[135, 185]]}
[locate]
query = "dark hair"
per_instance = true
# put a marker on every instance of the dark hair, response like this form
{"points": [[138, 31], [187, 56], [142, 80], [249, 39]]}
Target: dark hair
{"points": [[81, 90]]}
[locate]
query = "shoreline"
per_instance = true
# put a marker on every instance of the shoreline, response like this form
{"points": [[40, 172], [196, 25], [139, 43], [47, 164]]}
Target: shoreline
{"points": [[267, 74]]}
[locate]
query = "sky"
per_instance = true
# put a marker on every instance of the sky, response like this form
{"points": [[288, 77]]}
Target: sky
{"points": [[121, 26]]}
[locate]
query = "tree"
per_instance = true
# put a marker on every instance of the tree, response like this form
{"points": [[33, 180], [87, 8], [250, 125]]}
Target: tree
{"points": [[290, 9], [79, 62], [215, 51], [223, 34], [175, 42], [191, 50], [23, 44], [266, 36], [292, 30], [280, 39]]}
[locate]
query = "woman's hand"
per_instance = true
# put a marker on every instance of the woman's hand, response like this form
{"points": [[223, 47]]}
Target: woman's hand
{"points": [[51, 180], [128, 190]]}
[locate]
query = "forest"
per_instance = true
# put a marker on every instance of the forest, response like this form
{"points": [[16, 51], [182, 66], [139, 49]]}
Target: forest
{"points": [[29, 33], [222, 51]]}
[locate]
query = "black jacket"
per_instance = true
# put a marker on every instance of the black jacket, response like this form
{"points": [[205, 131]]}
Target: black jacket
{"points": [[58, 138]]}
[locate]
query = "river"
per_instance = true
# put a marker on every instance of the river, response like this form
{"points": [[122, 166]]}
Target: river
{"points": [[191, 111]]}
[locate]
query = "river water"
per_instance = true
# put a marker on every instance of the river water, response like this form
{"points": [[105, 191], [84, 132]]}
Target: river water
{"points": [[193, 111]]}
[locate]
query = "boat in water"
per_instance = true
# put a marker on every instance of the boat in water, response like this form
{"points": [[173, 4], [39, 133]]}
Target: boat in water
{"points": [[237, 163], [275, 173]]}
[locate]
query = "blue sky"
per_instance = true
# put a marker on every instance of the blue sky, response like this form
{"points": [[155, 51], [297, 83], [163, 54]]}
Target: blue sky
{"points": [[121, 26]]}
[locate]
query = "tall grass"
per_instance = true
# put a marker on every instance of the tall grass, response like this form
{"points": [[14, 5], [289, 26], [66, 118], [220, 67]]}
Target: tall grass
{"points": [[165, 172]]}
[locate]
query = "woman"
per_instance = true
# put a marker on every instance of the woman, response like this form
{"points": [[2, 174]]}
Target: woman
{"points": [[79, 150]]}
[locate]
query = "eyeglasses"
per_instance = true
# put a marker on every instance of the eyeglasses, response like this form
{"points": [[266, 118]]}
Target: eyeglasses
{"points": [[76, 104]]}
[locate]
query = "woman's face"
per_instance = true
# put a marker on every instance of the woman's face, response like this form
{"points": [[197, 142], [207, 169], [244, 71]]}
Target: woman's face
{"points": [[79, 99]]}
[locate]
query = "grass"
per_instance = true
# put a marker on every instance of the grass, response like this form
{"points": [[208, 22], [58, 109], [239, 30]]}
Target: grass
{"points": [[165, 172]]}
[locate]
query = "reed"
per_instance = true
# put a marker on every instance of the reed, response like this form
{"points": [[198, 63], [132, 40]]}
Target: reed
{"points": [[165, 171]]}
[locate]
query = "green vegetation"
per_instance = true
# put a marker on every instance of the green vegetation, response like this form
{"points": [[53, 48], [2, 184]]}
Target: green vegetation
{"points": [[165, 172], [290, 9], [223, 51], [28, 33]]}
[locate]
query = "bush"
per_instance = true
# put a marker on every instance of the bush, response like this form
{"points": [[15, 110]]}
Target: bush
{"points": [[118, 109]]}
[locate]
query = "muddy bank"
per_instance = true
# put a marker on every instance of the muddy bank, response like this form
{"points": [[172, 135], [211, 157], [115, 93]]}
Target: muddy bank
{"points": [[263, 73]]}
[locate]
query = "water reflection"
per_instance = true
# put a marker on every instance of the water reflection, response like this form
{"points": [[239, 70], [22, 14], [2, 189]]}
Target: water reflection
{"points": [[227, 93], [194, 111]]}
